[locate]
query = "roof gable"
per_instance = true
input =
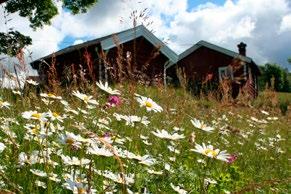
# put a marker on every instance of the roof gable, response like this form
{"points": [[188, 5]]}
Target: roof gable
{"points": [[107, 42], [139, 31], [214, 47]]}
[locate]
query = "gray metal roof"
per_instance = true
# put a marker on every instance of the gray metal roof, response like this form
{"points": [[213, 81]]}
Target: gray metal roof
{"points": [[140, 31], [107, 42], [216, 48]]}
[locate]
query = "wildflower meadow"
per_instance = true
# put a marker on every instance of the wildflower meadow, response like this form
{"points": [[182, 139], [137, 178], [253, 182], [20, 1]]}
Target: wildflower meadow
{"points": [[134, 139]]}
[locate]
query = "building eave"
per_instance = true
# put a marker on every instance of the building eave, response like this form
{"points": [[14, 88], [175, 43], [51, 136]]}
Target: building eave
{"points": [[108, 42], [214, 47], [139, 31]]}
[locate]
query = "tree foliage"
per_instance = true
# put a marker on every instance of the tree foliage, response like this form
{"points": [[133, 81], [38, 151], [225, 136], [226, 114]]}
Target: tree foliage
{"points": [[274, 76], [14, 38], [39, 13], [286, 87]]}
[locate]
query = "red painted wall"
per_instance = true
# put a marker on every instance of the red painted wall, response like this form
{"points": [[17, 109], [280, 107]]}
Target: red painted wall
{"points": [[204, 62]]}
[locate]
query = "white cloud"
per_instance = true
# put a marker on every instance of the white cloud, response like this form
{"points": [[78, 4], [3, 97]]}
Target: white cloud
{"points": [[78, 41], [285, 24], [45, 40], [255, 22], [243, 29]]}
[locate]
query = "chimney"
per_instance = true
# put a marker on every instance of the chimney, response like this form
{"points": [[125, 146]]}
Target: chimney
{"points": [[242, 48]]}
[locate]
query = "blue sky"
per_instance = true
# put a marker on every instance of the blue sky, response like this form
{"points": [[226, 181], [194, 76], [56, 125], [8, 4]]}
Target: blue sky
{"points": [[194, 3]]}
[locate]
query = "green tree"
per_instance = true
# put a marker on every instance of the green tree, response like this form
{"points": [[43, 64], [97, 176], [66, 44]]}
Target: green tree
{"points": [[285, 81], [274, 76], [289, 60], [273, 71], [12, 42], [39, 13]]}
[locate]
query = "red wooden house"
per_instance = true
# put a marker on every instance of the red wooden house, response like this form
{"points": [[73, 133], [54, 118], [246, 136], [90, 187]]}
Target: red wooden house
{"points": [[206, 63], [131, 54], [138, 55]]}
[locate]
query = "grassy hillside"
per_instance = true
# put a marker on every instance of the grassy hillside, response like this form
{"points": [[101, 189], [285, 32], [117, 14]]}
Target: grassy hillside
{"points": [[284, 96], [71, 143]]}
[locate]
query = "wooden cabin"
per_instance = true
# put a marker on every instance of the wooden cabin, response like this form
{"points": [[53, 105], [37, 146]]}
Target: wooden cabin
{"points": [[131, 54], [206, 64], [136, 54]]}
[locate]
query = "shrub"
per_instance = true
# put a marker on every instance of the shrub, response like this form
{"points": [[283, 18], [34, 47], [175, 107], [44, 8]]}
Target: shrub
{"points": [[283, 105]]}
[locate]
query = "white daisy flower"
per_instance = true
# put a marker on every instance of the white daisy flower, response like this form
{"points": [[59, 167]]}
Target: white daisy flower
{"points": [[50, 95], [23, 158], [173, 159], [74, 161], [147, 142], [211, 152], [65, 103], [2, 147], [54, 177], [132, 119], [107, 89], [167, 167], [116, 177], [34, 115], [154, 172], [178, 189], [201, 125], [178, 129], [147, 160], [165, 135], [272, 118], [85, 98], [208, 181], [99, 151], [263, 121], [265, 112], [173, 149], [41, 130], [40, 184], [31, 82], [72, 140], [4, 104], [77, 183], [148, 103], [70, 110], [201, 161], [38, 172], [55, 116], [47, 102], [17, 92]]}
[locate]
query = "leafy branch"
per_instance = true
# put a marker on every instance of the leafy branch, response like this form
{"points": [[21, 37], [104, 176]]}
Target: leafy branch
{"points": [[39, 13]]}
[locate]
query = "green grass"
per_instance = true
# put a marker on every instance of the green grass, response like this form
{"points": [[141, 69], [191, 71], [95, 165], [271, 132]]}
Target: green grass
{"points": [[284, 96], [261, 147]]}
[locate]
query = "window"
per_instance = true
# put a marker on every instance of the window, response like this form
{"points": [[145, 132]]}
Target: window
{"points": [[225, 73], [128, 55]]}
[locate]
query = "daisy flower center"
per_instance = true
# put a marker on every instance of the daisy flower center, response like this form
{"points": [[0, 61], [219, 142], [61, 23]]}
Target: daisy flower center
{"points": [[148, 104], [86, 99], [210, 152], [81, 190], [79, 180], [70, 141], [36, 115], [35, 130], [50, 95], [56, 114]]}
